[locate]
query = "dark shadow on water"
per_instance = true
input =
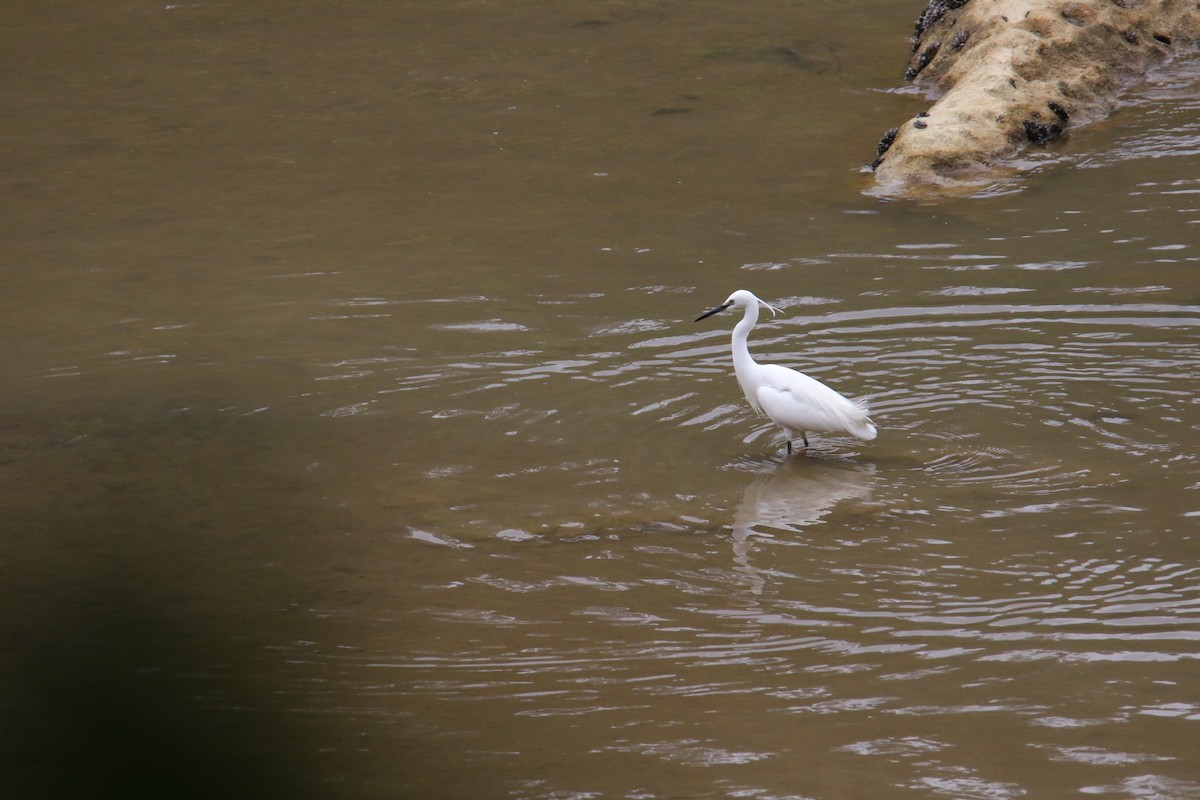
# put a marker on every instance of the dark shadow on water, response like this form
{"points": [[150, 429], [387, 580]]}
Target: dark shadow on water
{"points": [[88, 718], [136, 655]]}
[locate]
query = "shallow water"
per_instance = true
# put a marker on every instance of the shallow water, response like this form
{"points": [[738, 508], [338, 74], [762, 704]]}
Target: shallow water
{"points": [[357, 440]]}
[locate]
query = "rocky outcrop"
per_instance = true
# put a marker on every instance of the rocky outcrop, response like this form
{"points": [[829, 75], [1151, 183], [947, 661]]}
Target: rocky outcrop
{"points": [[1011, 73]]}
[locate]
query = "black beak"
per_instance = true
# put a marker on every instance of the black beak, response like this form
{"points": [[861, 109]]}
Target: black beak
{"points": [[716, 310]]}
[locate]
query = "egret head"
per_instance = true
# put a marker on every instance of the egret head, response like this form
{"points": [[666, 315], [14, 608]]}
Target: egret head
{"points": [[742, 299]]}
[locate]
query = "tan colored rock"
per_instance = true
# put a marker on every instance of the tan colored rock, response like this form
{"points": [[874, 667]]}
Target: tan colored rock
{"points": [[1007, 73]]}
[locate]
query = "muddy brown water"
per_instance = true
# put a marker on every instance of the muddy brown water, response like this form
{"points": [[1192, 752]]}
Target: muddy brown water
{"points": [[356, 440]]}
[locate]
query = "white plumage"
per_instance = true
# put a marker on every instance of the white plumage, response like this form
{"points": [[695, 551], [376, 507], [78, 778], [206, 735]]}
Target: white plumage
{"points": [[794, 401]]}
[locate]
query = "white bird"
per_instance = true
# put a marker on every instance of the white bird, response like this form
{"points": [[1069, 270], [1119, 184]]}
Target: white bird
{"points": [[794, 401]]}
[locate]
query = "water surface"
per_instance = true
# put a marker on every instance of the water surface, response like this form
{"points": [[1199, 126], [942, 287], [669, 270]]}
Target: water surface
{"points": [[357, 441]]}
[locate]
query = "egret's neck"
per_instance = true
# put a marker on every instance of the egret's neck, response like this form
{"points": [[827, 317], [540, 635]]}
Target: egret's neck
{"points": [[741, 332]]}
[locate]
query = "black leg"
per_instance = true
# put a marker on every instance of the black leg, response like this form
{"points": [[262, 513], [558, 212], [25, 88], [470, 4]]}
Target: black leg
{"points": [[789, 444], [804, 436]]}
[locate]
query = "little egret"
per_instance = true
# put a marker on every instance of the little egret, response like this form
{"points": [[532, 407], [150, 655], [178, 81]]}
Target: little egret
{"points": [[794, 401]]}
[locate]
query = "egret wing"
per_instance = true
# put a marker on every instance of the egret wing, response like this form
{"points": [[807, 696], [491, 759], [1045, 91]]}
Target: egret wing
{"points": [[799, 402]]}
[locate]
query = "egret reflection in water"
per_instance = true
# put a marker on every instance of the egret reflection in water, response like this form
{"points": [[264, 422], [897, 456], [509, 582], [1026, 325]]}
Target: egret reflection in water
{"points": [[796, 494]]}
